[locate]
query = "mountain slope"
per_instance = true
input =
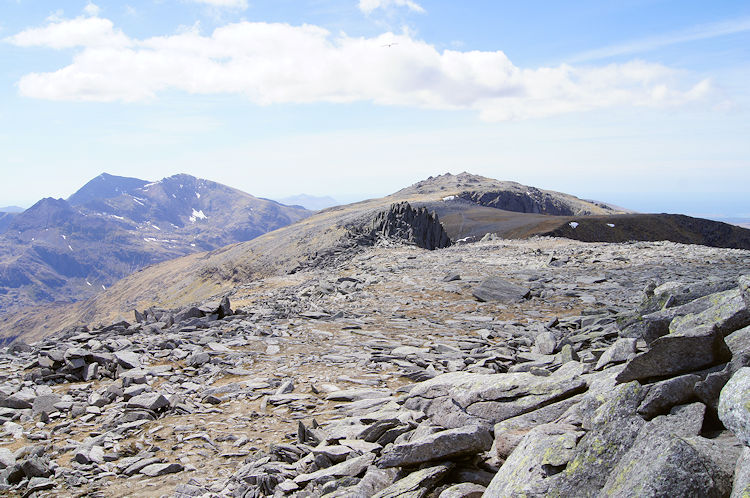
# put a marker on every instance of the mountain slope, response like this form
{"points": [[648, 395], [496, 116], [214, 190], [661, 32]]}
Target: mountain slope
{"points": [[59, 250], [334, 234]]}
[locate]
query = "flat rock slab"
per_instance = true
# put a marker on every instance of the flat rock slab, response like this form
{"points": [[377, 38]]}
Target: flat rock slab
{"points": [[357, 394], [674, 354], [498, 289], [348, 468], [439, 446], [734, 405], [417, 484], [160, 469], [459, 398]]}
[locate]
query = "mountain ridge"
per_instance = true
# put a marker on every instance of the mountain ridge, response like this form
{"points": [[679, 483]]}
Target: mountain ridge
{"points": [[332, 235], [62, 251]]}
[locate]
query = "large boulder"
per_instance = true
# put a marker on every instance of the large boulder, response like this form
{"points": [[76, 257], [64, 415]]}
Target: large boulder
{"points": [[729, 312], [734, 405], [442, 445], [543, 452], [678, 353]]}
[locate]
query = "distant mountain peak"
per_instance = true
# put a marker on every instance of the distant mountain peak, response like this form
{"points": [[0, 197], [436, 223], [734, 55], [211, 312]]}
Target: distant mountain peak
{"points": [[105, 186], [311, 202]]}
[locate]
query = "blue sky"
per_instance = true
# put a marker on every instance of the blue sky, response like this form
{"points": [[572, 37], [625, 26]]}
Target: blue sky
{"points": [[639, 102]]}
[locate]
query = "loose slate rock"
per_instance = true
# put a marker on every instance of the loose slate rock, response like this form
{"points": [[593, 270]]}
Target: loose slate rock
{"points": [[441, 445], [497, 289], [148, 401], [459, 398], [160, 469]]}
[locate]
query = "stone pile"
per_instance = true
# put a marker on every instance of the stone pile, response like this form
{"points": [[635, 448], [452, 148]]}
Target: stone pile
{"points": [[504, 368]]}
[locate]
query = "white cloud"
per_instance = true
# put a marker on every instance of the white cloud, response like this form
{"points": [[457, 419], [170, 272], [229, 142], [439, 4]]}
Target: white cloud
{"points": [[367, 6], [92, 9], [232, 4], [88, 32], [272, 63]]}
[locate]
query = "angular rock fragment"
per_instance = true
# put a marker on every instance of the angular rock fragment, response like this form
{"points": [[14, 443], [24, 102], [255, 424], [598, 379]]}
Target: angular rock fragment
{"points": [[443, 445], [678, 353], [498, 289]]}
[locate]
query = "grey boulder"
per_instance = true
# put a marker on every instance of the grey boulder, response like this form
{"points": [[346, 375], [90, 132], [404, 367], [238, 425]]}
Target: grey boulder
{"points": [[442, 445], [498, 289], [734, 405]]}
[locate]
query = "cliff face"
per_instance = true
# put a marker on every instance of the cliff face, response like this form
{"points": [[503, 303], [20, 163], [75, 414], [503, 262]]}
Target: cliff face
{"points": [[416, 226], [533, 200]]}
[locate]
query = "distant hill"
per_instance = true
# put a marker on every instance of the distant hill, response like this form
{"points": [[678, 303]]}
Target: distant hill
{"points": [[310, 202], [5, 220], [66, 250], [11, 209]]}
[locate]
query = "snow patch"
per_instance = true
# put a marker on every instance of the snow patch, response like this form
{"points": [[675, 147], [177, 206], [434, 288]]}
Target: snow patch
{"points": [[192, 245], [104, 288], [449, 198], [63, 236], [138, 201], [156, 227], [197, 195], [88, 283], [117, 217], [149, 239], [573, 224], [70, 247], [611, 225], [198, 215]]}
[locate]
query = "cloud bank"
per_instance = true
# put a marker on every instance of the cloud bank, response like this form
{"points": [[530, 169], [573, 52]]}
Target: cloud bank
{"points": [[271, 63]]}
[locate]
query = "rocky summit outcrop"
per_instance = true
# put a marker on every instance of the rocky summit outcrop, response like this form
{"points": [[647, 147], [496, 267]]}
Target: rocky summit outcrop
{"points": [[415, 226], [383, 375]]}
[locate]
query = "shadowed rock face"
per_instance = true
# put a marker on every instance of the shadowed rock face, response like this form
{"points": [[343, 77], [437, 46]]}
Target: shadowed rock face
{"points": [[416, 226], [532, 201]]}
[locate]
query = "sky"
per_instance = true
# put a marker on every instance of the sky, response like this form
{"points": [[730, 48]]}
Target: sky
{"points": [[642, 103]]}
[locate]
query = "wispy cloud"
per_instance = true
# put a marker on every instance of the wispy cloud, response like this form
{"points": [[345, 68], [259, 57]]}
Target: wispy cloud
{"points": [[270, 63], [368, 6], [702, 32], [231, 4]]}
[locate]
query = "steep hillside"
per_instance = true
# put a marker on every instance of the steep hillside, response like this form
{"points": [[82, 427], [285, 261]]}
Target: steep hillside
{"points": [[60, 250]]}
